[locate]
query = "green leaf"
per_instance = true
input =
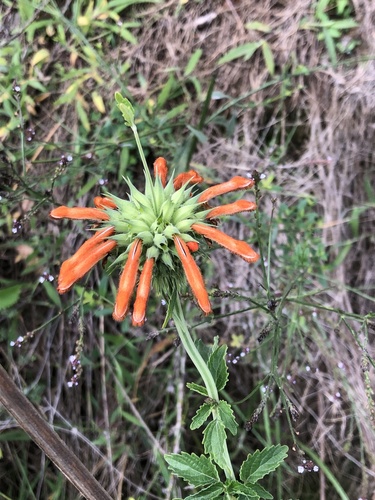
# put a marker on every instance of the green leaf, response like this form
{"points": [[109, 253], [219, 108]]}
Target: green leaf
{"points": [[166, 91], [346, 247], [128, 36], [213, 441], [218, 366], [258, 26], [245, 51], [247, 490], [211, 492], [197, 471], [83, 116], [193, 61], [177, 110], [39, 56], [52, 294], [264, 494], [227, 416], [204, 350], [120, 5], [198, 134], [92, 181], [201, 416], [197, 388], [261, 463], [344, 24], [126, 109], [268, 58], [9, 296]]}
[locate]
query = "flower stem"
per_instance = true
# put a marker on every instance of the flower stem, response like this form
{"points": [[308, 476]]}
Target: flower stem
{"points": [[139, 146], [144, 162], [201, 366]]}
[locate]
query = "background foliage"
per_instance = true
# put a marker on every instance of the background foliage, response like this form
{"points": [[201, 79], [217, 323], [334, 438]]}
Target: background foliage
{"points": [[292, 98]]}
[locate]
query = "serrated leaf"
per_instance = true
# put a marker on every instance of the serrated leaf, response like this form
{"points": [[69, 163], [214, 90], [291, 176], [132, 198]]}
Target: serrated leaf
{"points": [[197, 388], [210, 493], [204, 350], [201, 416], [214, 437], [261, 463], [264, 494], [218, 367], [197, 471], [126, 109], [247, 490], [227, 416]]}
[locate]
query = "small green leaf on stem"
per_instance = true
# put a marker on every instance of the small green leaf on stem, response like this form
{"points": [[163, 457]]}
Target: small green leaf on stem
{"points": [[197, 388], [204, 350], [218, 366], [126, 109], [197, 471], [264, 494], [201, 416], [261, 463], [212, 492], [249, 492], [213, 442], [226, 414]]}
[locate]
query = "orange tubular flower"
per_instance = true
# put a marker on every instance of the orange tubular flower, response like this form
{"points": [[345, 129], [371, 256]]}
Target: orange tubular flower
{"points": [[127, 282], [78, 213], [73, 270], [193, 275], [101, 202], [161, 170], [234, 184], [90, 253], [191, 177], [143, 291], [193, 246], [232, 208], [238, 247]]}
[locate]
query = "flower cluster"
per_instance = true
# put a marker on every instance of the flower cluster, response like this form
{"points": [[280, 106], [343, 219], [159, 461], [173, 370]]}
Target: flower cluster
{"points": [[156, 233]]}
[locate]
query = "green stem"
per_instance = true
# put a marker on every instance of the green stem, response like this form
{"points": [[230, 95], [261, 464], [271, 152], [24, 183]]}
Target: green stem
{"points": [[201, 366], [144, 162], [139, 146], [22, 134]]}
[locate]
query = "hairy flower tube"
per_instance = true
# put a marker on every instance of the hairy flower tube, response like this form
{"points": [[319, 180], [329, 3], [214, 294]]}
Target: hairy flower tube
{"points": [[155, 234]]}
